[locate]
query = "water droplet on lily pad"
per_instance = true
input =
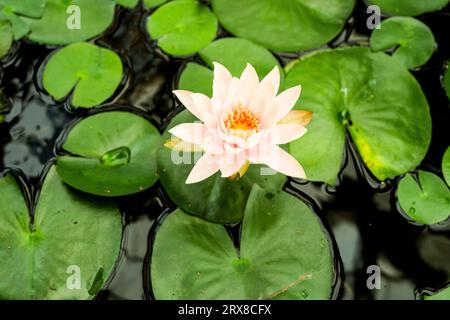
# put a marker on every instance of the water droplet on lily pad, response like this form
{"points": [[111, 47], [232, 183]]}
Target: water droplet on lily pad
{"points": [[116, 158]]}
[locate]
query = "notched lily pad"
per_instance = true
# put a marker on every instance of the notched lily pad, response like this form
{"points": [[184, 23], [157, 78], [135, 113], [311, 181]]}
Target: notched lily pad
{"points": [[408, 7], [69, 236], [182, 27], [414, 39], [284, 254], [287, 25], [91, 72], [216, 199], [373, 97], [425, 200], [59, 26], [111, 154], [234, 54]]}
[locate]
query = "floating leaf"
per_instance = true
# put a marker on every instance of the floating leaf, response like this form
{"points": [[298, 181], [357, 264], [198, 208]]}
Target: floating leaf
{"points": [[288, 25], [69, 233], [53, 28], [182, 27], [426, 200], [27, 8], [91, 72], [234, 54], [373, 97], [446, 82], [127, 3], [112, 154], [284, 254], [443, 294], [6, 38], [446, 166], [154, 3], [216, 199], [408, 7], [414, 39]]}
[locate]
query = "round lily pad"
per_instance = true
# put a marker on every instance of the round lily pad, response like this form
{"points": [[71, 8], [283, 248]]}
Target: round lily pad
{"points": [[6, 38], [414, 40], [182, 27], [234, 54], [443, 294], [446, 166], [408, 7], [69, 235], [284, 254], [58, 27], [425, 200], [111, 154], [216, 199], [373, 97], [91, 72], [288, 25]]}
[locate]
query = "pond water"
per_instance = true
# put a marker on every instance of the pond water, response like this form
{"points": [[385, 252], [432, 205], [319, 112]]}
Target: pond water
{"points": [[360, 214]]}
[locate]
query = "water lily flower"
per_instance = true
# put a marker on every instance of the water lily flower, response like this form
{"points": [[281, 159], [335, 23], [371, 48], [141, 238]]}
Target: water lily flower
{"points": [[243, 123]]}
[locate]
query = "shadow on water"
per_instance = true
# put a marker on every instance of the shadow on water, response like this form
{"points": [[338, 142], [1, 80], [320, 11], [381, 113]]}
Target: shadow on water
{"points": [[361, 215]]}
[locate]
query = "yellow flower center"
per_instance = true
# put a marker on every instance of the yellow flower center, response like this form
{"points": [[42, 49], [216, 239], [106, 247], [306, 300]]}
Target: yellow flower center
{"points": [[242, 121]]}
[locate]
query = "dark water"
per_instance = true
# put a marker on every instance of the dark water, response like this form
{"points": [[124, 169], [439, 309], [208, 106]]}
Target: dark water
{"points": [[360, 213]]}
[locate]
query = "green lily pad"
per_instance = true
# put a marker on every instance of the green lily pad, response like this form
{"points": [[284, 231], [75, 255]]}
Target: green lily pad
{"points": [[153, 3], [234, 54], [284, 254], [6, 38], [288, 25], [52, 28], [426, 200], [27, 8], [112, 154], [408, 7], [127, 3], [443, 294], [446, 82], [91, 72], [446, 166], [68, 232], [216, 199], [414, 39], [182, 27], [373, 97]]}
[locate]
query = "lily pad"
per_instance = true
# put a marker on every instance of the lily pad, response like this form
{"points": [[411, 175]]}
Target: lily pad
{"points": [[426, 200], [408, 7], [6, 38], [127, 3], [373, 97], [111, 154], [234, 54], [216, 199], [52, 28], [12, 11], [182, 27], [414, 39], [446, 166], [288, 25], [40, 254], [284, 254], [443, 294], [446, 82], [154, 3], [91, 72]]}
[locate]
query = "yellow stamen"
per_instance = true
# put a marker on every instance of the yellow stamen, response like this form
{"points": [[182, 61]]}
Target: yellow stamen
{"points": [[241, 120]]}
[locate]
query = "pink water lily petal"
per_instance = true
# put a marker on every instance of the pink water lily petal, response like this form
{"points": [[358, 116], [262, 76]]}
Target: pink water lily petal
{"points": [[263, 99], [189, 132], [230, 163], [232, 98], [204, 106], [205, 167], [221, 82], [285, 133], [278, 159], [213, 144], [273, 77], [286, 101], [249, 83], [186, 99]]}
